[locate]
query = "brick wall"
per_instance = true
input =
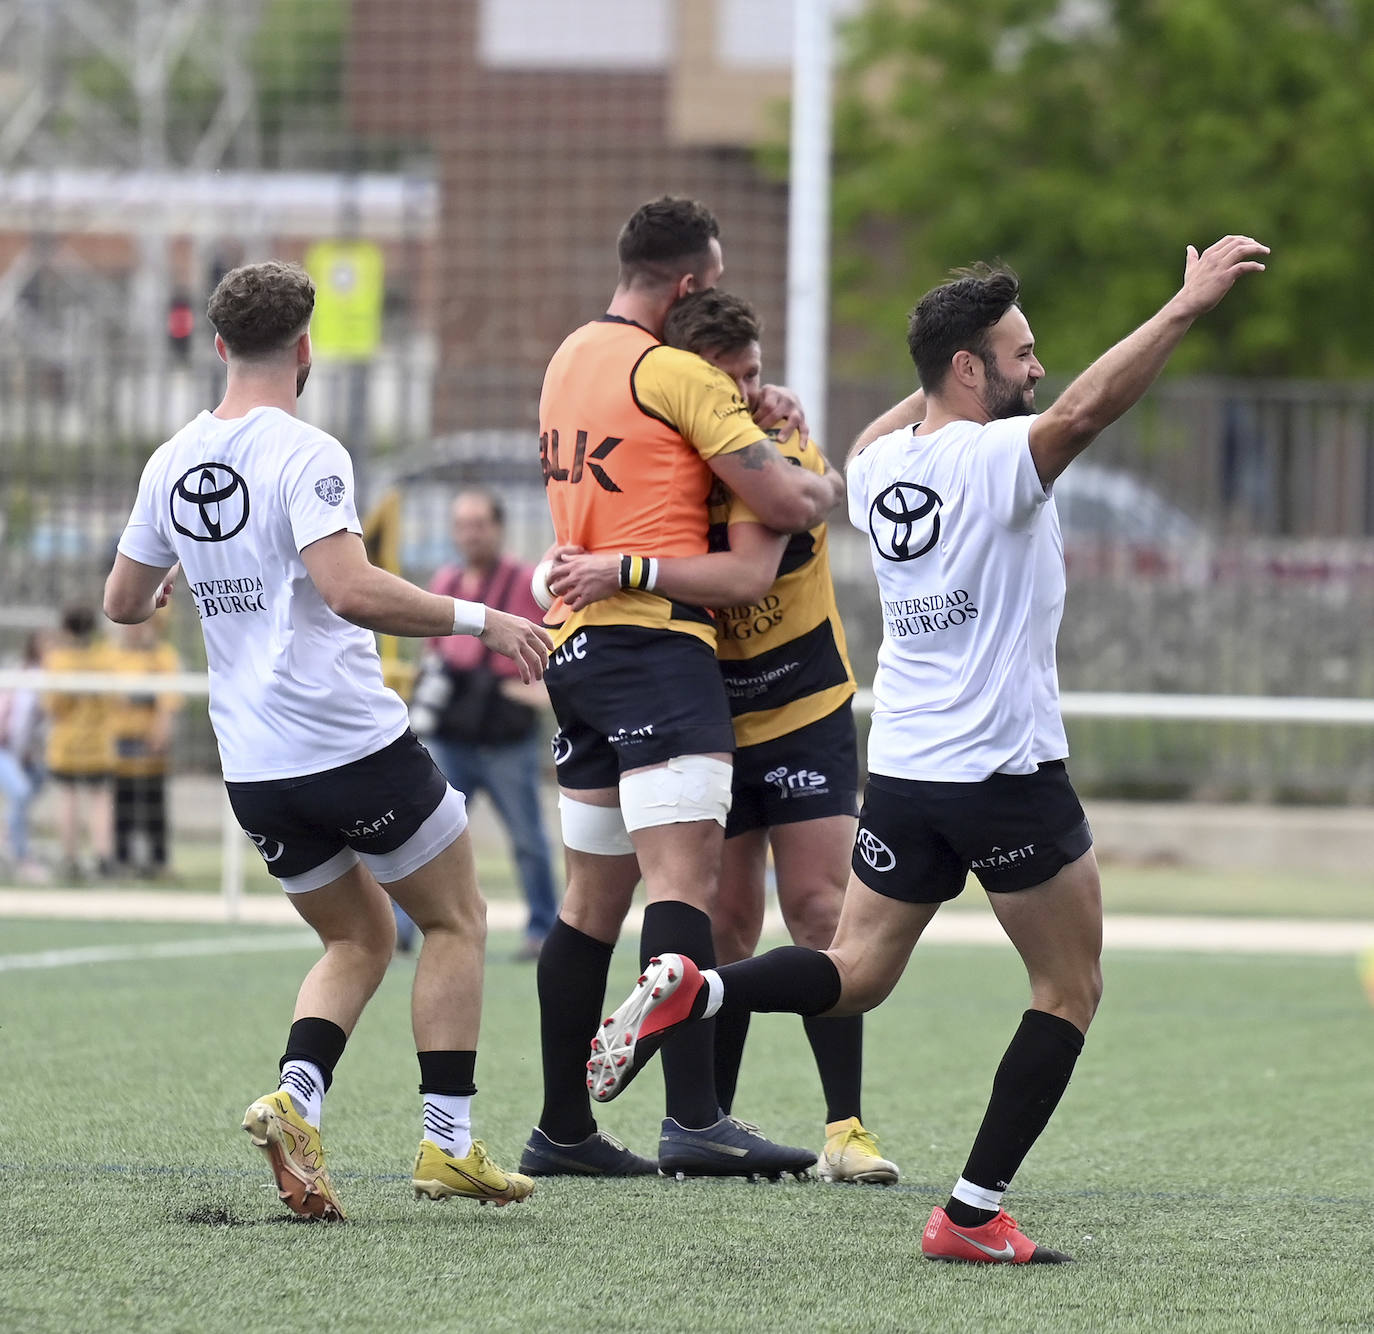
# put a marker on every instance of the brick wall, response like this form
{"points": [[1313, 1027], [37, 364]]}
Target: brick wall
{"points": [[538, 170]]}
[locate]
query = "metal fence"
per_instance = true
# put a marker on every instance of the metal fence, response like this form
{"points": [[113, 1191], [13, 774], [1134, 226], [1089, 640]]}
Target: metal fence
{"points": [[1220, 539]]}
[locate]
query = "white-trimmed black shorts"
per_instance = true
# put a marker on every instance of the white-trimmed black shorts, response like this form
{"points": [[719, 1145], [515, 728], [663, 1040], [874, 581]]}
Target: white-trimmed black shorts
{"points": [[393, 810], [918, 840]]}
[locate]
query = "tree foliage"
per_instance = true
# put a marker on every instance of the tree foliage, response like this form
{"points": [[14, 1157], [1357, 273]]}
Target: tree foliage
{"points": [[298, 62], [294, 60], [1086, 142]]}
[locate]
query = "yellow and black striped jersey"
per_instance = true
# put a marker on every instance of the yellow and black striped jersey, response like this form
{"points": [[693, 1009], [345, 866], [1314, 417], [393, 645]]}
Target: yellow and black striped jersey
{"points": [[625, 428], [784, 657]]}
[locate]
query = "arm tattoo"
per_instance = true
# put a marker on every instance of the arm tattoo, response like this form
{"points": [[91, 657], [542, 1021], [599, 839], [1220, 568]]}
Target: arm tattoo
{"points": [[756, 457]]}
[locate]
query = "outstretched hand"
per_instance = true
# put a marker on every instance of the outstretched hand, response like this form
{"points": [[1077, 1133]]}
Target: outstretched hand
{"points": [[526, 644], [1208, 276]]}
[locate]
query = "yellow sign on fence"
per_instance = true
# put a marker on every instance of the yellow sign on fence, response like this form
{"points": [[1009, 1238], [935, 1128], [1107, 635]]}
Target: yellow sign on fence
{"points": [[349, 288]]}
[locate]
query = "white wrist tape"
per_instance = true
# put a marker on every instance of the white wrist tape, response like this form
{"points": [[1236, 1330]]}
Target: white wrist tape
{"points": [[469, 618]]}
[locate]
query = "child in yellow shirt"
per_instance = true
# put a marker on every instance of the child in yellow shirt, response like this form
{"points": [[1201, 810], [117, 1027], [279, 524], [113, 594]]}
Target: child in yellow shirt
{"points": [[80, 749]]}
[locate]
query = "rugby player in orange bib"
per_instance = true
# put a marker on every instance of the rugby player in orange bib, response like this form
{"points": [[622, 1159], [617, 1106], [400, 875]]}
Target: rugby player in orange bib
{"points": [[782, 653], [632, 434]]}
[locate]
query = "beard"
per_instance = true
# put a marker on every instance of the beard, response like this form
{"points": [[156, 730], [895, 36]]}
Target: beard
{"points": [[1006, 398], [302, 375]]}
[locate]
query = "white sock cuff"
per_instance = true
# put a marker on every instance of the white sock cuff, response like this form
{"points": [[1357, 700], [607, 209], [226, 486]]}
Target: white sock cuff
{"points": [[448, 1121], [304, 1082], [715, 992], [975, 1196]]}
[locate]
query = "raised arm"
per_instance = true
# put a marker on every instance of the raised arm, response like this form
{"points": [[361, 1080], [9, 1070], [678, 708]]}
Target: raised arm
{"points": [[717, 579], [376, 599], [1119, 378]]}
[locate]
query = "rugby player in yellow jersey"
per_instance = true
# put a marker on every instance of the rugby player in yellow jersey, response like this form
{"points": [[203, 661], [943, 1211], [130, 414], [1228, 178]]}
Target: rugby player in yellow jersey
{"points": [[781, 649], [632, 435]]}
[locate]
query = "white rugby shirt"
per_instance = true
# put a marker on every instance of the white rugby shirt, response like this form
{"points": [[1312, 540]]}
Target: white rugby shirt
{"points": [[294, 689], [966, 546]]}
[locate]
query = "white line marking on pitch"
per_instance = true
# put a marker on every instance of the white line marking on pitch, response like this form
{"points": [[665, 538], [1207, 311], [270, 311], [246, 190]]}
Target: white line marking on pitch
{"points": [[164, 949]]}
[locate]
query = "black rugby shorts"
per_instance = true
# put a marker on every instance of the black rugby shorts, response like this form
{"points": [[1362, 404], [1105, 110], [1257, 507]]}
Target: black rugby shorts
{"points": [[917, 841], [807, 774], [626, 697], [311, 826]]}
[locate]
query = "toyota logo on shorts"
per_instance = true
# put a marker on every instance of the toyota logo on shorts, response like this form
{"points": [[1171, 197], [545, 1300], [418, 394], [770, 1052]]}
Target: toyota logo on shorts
{"points": [[263, 843], [209, 503], [874, 851], [561, 747], [904, 521]]}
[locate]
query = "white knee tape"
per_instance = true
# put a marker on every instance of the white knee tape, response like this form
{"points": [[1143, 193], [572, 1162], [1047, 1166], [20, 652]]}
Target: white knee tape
{"points": [[687, 788], [597, 829]]}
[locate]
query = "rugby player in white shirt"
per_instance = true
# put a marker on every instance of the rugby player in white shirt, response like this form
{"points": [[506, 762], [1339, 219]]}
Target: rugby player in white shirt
{"points": [[966, 756], [258, 509]]}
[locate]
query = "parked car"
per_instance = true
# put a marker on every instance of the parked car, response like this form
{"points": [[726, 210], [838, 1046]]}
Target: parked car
{"points": [[1117, 526]]}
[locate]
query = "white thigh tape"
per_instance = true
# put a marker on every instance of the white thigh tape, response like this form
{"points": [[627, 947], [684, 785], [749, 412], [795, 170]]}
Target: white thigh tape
{"points": [[595, 829], [685, 789]]}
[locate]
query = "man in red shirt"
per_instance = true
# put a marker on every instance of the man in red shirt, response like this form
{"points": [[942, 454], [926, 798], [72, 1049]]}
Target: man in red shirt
{"points": [[482, 724]]}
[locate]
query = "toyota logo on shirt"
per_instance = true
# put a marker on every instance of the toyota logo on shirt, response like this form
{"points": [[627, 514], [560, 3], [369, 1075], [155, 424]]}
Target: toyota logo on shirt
{"points": [[904, 521], [209, 503]]}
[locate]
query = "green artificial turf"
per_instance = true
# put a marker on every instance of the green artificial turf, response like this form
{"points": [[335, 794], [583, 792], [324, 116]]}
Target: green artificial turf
{"points": [[1208, 1166]]}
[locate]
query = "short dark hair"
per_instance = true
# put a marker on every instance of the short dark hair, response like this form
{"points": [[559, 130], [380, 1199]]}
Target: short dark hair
{"points": [[711, 321], [78, 620], [259, 309], [495, 504], [664, 239], [956, 317]]}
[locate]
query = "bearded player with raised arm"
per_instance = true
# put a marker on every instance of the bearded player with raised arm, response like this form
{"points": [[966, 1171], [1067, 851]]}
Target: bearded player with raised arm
{"points": [[323, 772], [967, 749]]}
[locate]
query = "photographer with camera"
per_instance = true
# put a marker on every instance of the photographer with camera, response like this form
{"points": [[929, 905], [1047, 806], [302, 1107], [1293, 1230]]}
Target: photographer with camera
{"points": [[478, 719]]}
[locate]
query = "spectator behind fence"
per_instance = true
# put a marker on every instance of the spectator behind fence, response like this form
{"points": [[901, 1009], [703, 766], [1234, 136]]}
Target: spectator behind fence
{"points": [[477, 718], [80, 750], [141, 725], [21, 766]]}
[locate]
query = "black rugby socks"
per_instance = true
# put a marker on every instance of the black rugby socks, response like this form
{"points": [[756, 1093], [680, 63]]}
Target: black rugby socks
{"points": [[688, 1053], [732, 1028], [838, 1046], [571, 979], [789, 980], [1029, 1083], [319, 1041]]}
